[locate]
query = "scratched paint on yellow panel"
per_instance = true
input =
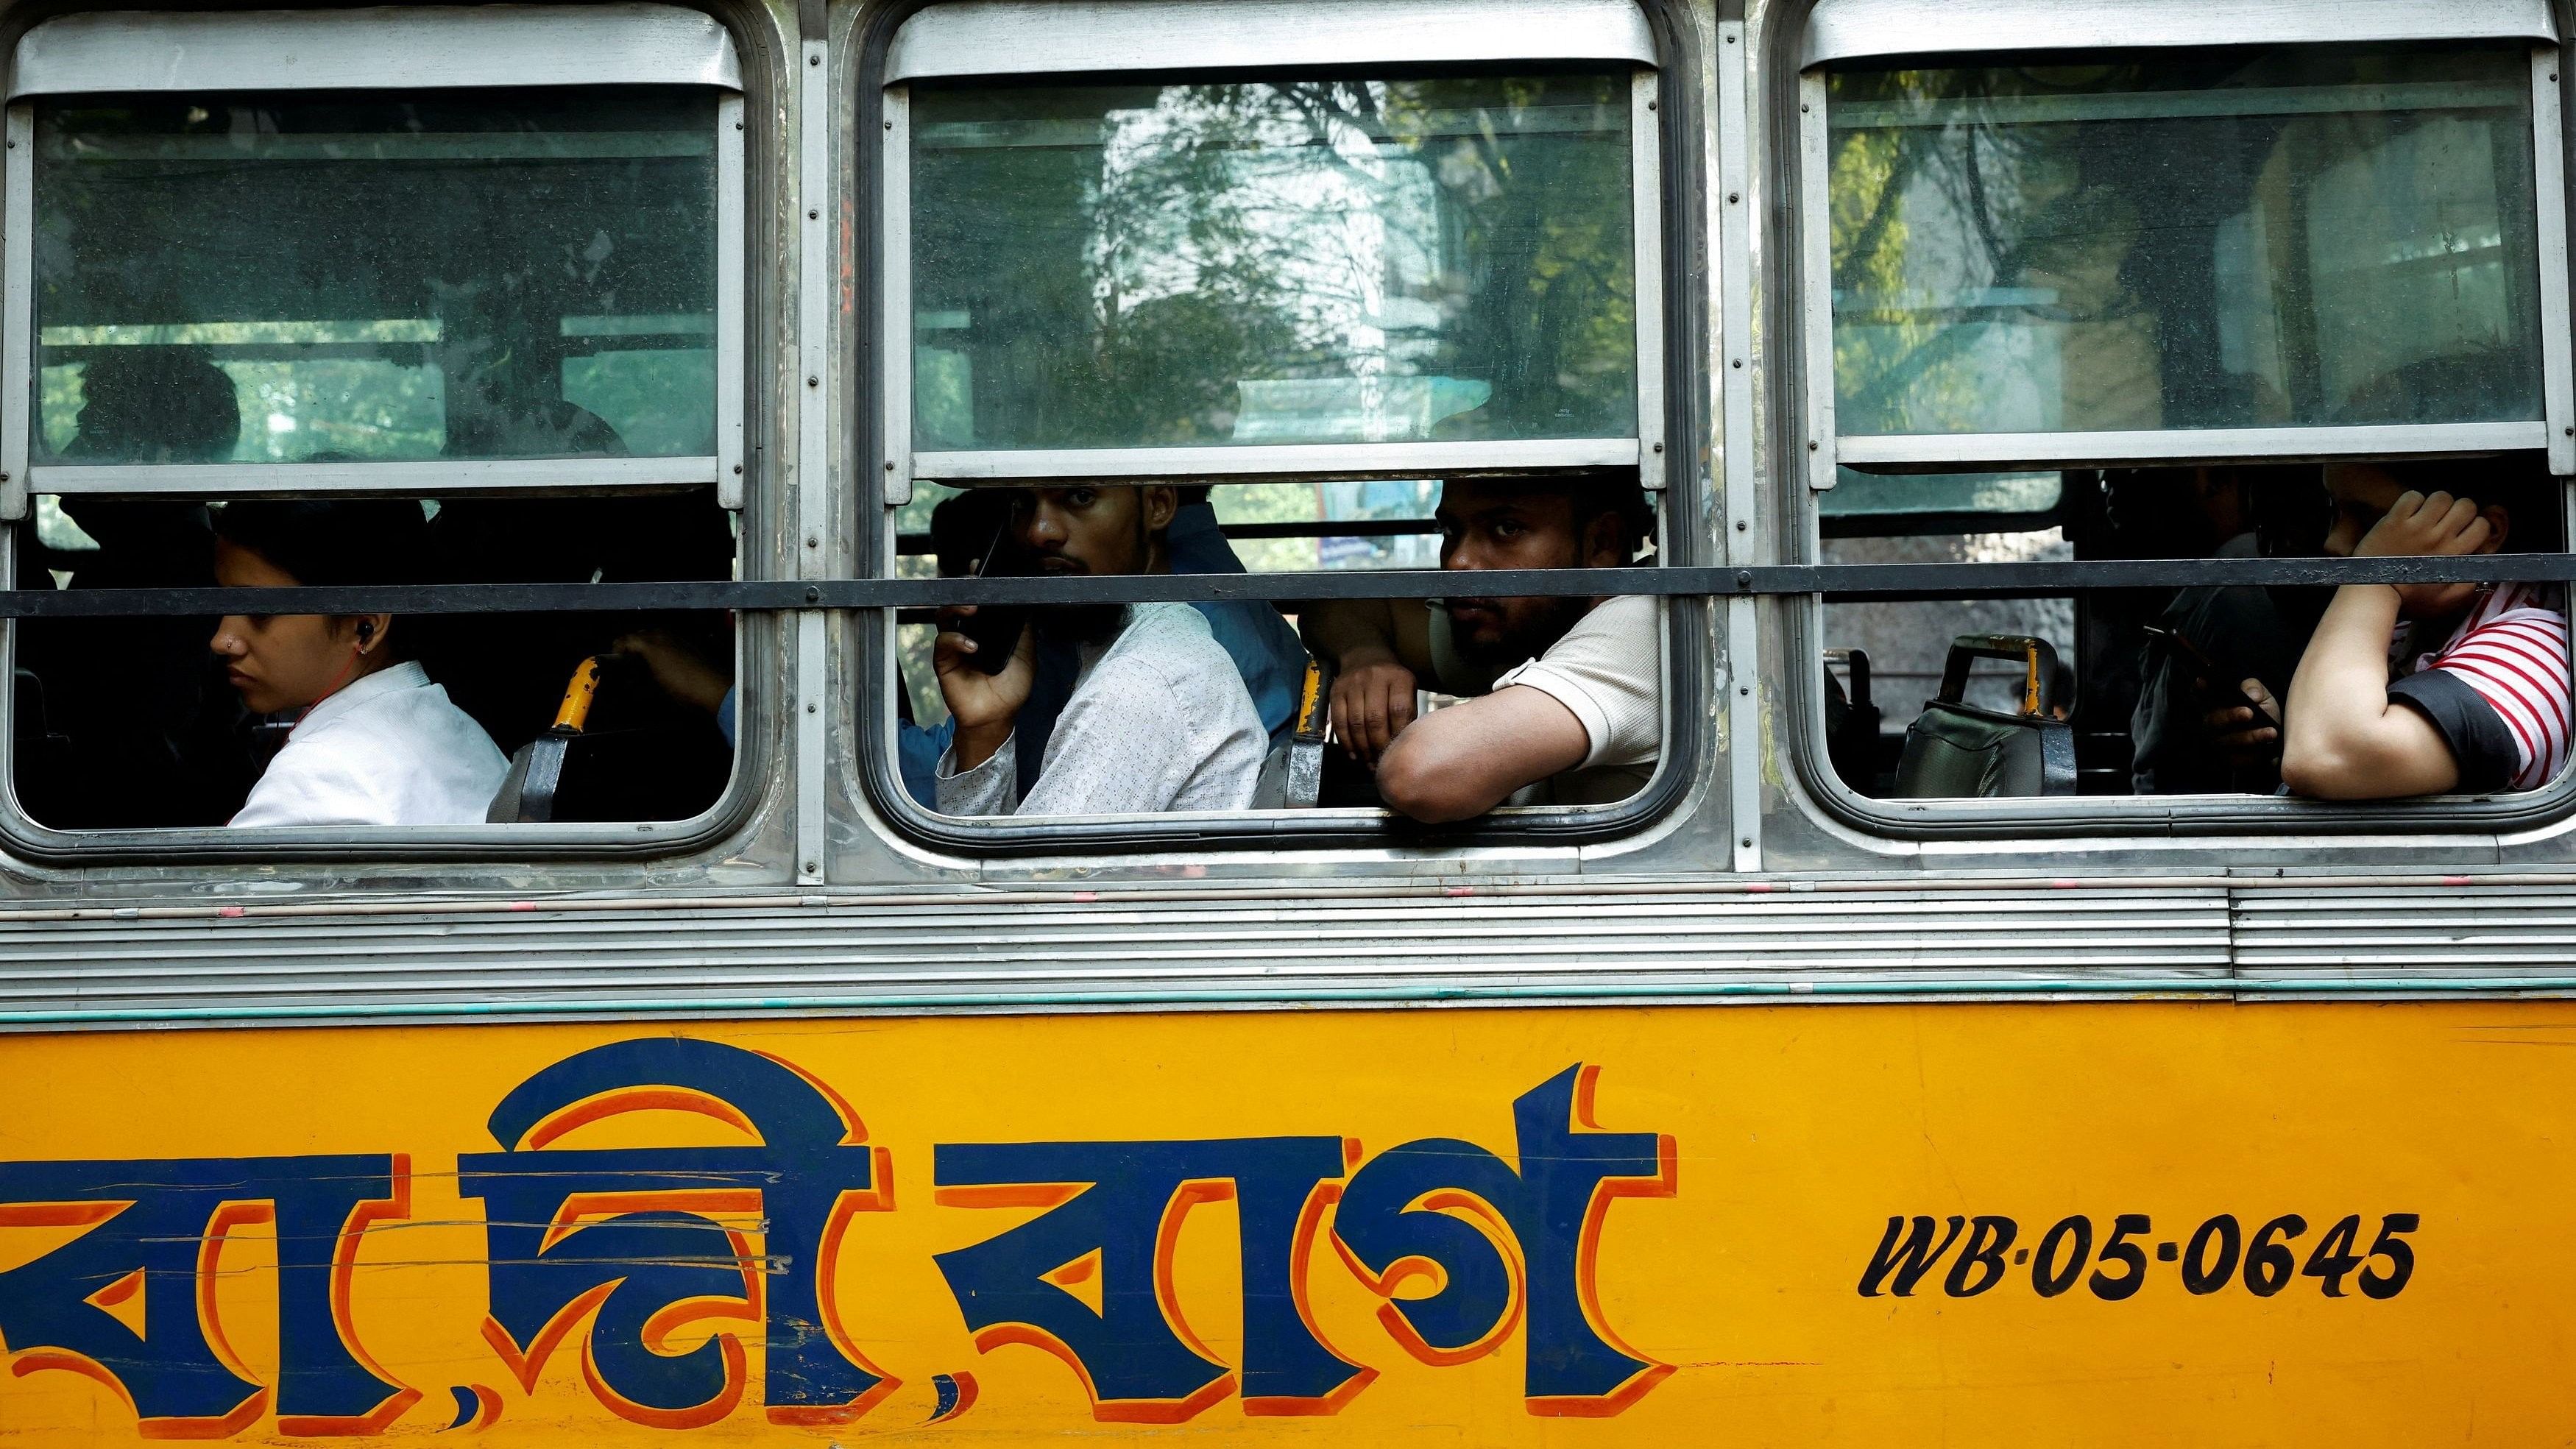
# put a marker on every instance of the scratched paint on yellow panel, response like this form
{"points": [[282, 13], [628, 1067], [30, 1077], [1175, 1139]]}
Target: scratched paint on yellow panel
{"points": [[334, 1242]]}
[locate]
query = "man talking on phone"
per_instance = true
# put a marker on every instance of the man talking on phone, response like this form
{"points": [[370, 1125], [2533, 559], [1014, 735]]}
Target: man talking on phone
{"points": [[1159, 718]]}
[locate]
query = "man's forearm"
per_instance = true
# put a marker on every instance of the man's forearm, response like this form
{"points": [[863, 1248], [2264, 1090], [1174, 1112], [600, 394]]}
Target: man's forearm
{"points": [[2343, 675], [1463, 761], [2344, 738]]}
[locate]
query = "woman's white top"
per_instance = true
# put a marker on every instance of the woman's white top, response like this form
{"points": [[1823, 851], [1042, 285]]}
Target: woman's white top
{"points": [[389, 749]]}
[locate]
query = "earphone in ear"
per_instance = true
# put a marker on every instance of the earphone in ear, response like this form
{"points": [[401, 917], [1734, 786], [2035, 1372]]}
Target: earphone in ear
{"points": [[366, 634]]}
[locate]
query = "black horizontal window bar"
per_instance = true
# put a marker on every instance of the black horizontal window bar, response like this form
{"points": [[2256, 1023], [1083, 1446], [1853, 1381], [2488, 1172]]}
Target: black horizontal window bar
{"points": [[1834, 581]]}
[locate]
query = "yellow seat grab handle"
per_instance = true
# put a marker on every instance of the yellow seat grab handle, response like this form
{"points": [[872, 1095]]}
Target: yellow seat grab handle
{"points": [[1312, 700], [575, 710]]}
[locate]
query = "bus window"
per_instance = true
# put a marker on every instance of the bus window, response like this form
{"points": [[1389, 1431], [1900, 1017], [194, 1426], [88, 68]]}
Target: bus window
{"points": [[1330, 305], [436, 325], [448, 274], [1299, 261], [2179, 302], [2204, 239]]}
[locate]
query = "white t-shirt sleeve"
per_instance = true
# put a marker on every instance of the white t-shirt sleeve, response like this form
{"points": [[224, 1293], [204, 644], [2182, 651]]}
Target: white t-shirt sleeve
{"points": [[1608, 671]]}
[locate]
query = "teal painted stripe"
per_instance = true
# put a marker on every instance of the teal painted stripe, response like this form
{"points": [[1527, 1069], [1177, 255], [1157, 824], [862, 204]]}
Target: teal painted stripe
{"points": [[1355, 995]]}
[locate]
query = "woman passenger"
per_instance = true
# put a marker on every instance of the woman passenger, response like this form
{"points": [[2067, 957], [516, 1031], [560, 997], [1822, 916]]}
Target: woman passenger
{"points": [[374, 742]]}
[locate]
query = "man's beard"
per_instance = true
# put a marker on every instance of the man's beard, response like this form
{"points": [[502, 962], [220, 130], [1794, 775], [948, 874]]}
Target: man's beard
{"points": [[1080, 623], [1522, 639]]}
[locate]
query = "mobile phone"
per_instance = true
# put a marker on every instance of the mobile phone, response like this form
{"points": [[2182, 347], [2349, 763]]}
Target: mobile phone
{"points": [[995, 628], [2230, 693]]}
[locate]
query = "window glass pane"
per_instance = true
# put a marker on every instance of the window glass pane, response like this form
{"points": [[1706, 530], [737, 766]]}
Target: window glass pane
{"points": [[2203, 239], [1291, 262], [1299, 513], [458, 274], [1901, 502]]}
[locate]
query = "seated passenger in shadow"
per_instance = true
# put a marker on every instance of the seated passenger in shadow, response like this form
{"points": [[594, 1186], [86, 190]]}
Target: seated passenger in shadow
{"points": [[1574, 715], [1159, 718], [648, 754], [2212, 636], [2426, 689], [374, 741], [963, 528], [152, 736]]}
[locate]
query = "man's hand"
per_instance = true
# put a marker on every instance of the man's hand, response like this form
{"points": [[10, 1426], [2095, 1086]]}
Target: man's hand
{"points": [[682, 674], [984, 705], [2437, 527], [1372, 702], [2247, 741]]}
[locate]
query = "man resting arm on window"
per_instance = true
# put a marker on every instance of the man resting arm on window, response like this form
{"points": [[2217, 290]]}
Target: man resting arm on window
{"points": [[1159, 718], [1579, 712], [2486, 710]]}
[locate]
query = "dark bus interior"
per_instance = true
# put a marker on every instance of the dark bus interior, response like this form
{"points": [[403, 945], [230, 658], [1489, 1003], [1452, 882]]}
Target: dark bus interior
{"points": [[2054, 685]]}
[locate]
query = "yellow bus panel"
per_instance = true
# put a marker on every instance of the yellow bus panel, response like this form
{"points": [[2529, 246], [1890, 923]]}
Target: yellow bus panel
{"points": [[2112, 1223]]}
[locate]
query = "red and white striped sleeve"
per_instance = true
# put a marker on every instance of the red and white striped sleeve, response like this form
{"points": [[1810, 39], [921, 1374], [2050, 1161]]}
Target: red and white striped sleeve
{"points": [[2517, 661]]}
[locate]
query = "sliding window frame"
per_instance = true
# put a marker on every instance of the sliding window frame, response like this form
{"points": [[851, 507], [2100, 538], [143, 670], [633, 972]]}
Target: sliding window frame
{"points": [[1263, 37], [1803, 425], [425, 48]]}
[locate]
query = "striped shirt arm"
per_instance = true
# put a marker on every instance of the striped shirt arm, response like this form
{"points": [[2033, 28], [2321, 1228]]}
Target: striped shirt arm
{"points": [[2518, 663]]}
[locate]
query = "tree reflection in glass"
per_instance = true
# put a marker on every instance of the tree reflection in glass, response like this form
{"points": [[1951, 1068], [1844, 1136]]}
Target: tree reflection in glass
{"points": [[1307, 261]]}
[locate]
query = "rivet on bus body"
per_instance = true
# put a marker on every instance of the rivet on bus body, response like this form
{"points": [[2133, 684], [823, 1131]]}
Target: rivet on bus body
{"points": [[812, 542], [1738, 362], [889, 465], [1733, 197], [818, 60], [1650, 105], [818, 382], [809, 709], [1659, 447], [737, 469], [1741, 525], [813, 216], [1811, 445]]}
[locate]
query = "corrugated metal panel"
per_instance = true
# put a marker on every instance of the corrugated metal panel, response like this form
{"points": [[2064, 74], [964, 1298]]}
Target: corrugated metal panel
{"points": [[2372, 930], [825, 950]]}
